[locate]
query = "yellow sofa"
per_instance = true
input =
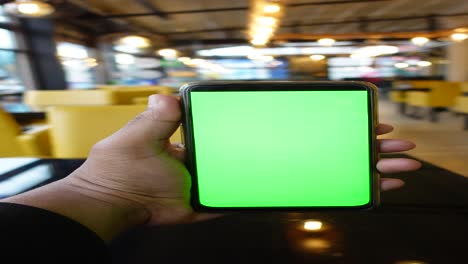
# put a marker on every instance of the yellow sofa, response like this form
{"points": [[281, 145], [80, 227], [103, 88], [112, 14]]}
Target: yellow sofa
{"points": [[461, 103], [13, 142], [127, 95], [42, 99], [75, 129], [441, 94]]}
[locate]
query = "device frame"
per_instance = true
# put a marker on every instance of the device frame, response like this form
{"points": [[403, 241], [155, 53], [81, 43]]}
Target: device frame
{"points": [[230, 86]]}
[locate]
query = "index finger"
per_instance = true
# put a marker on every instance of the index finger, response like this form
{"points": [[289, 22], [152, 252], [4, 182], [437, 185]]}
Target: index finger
{"points": [[383, 129]]}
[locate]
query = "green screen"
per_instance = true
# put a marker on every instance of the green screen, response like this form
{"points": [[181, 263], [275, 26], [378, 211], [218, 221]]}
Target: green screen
{"points": [[281, 148]]}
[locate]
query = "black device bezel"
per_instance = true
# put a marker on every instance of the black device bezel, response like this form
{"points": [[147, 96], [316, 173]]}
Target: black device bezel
{"points": [[231, 86]]}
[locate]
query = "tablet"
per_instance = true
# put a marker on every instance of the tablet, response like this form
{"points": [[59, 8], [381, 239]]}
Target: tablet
{"points": [[281, 145]]}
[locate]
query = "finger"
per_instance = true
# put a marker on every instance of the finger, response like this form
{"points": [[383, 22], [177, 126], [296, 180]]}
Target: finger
{"points": [[387, 184], [157, 123], [383, 129], [205, 216], [177, 150], [396, 165], [394, 145]]}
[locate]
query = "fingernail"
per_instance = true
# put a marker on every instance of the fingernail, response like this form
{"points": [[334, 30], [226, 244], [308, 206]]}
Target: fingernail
{"points": [[153, 100]]}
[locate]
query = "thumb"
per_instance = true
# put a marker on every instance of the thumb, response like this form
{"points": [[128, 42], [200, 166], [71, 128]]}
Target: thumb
{"points": [[154, 125]]}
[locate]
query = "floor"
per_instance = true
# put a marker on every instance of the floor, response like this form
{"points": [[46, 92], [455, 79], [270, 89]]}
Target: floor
{"points": [[444, 143]]}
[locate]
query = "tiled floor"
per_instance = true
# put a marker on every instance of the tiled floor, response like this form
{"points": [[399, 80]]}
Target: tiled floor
{"points": [[444, 143]]}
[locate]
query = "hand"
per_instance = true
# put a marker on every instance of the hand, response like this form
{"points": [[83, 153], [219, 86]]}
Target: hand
{"points": [[135, 176], [140, 165], [393, 165]]}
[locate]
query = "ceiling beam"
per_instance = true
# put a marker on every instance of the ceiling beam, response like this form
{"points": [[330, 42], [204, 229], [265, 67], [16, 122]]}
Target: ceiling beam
{"points": [[365, 35], [336, 2], [231, 9], [371, 20], [205, 31], [324, 23], [153, 9]]}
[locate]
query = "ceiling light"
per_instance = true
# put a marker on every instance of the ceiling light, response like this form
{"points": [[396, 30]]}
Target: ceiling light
{"points": [[184, 59], [29, 8], [135, 41], [259, 41], [424, 63], [266, 58], [317, 57], [326, 41], [167, 53], [459, 37], [271, 8], [263, 31], [401, 65], [374, 51], [266, 21], [419, 41], [124, 59]]}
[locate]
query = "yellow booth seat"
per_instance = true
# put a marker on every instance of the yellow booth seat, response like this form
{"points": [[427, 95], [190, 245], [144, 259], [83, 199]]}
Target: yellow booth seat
{"points": [[397, 96], [42, 99], [13, 143], [75, 129], [140, 100], [126, 95], [461, 102], [400, 96], [441, 94]]}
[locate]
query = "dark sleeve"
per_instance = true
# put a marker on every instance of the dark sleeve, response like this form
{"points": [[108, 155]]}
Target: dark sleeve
{"points": [[29, 233]]}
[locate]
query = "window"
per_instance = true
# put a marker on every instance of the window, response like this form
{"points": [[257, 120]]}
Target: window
{"points": [[13, 62], [3, 17], [79, 67]]}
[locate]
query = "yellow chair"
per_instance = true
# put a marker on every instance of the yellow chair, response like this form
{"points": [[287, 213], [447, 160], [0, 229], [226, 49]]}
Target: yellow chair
{"points": [[461, 103], [43, 99], [126, 95], [75, 129], [14, 143], [140, 100], [441, 94]]}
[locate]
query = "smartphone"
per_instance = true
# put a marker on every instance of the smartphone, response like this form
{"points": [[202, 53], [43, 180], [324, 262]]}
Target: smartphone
{"points": [[281, 145]]}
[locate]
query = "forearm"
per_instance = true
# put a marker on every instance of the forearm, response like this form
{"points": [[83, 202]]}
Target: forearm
{"points": [[104, 213]]}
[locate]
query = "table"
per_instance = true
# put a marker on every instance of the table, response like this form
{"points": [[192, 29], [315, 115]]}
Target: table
{"points": [[425, 222], [24, 114]]}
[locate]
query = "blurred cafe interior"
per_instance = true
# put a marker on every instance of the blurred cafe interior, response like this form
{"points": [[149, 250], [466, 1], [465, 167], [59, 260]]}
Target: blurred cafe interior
{"points": [[74, 71]]}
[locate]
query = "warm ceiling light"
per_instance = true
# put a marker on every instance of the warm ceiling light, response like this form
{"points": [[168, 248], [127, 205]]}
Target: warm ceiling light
{"points": [[271, 8], [135, 41], [266, 21], [263, 31], [29, 8], [374, 51], [259, 41], [124, 59], [401, 65], [184, 59], [419, 41], [424, 63], [326, 41], [167, 53], [317, 57], [266, 58], [459, 37]]}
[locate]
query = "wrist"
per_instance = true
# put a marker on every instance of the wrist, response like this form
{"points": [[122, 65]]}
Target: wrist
{"points": [[116, 212]]}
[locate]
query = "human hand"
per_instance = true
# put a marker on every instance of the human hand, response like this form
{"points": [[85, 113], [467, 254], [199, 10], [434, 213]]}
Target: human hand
{"points": [[136, 177], [139, 164]]}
